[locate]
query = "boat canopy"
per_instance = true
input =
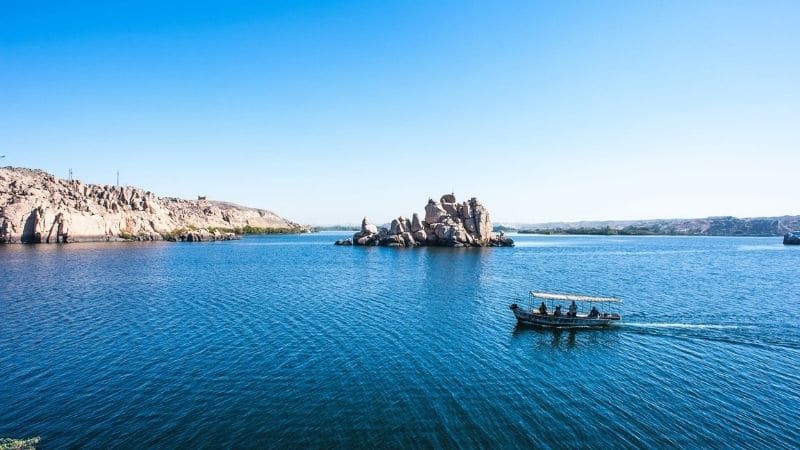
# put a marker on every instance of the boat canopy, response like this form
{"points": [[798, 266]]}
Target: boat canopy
{"points": [[577, 298]]}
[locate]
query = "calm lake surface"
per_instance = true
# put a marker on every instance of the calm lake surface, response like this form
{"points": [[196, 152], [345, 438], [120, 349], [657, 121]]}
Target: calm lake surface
{"points": [[285, 341]]}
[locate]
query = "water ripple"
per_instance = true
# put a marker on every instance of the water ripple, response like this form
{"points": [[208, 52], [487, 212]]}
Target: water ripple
{"points": [[287, 341]]}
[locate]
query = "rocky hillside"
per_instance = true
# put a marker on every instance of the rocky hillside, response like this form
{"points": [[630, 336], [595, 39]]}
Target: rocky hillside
{"points": [[38, 207], [447, 223]]}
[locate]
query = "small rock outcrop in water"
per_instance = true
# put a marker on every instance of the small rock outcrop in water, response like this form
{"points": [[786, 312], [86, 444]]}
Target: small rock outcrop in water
{"points": [[791, 238], [19, 444], [447, 223], [36, 207], [203, 235]]}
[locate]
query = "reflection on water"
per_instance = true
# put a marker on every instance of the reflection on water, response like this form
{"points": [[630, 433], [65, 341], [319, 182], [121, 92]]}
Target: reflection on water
{"points": [[567, 338]]}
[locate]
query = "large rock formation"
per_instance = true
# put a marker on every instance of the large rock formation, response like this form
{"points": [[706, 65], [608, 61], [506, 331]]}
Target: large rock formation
{"points": [[447, 223], [36, 207]]}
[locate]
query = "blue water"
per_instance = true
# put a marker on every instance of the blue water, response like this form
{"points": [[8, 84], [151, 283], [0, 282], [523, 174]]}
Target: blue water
{"points": [[286, 341]]}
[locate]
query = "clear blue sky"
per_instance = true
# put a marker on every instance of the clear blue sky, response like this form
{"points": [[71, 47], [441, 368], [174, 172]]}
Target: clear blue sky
{"points": [[327, 111]]}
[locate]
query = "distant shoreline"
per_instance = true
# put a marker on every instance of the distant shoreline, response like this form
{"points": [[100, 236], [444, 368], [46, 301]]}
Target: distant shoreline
{"points": [[708, 226], [613, 232]]}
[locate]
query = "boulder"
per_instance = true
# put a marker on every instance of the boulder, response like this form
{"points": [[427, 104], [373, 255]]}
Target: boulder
{"points": [[369, 234], [416, 224], [406, 224], [441, 231], [467, 218], [461, 235], [434, 212], [6, 231], [483, 225], [368, 228], [391, 239], [451, 209], [398, 226], [408, 239], [33, 230], [501, 240], [347, 241], [62, 230], [472, 240], [201, 235]]}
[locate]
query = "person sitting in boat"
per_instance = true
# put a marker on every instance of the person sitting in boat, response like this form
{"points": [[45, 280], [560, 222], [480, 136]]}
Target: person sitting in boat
{"points": [[542, 309], [594, 312], [573, 310], [557, 312]]}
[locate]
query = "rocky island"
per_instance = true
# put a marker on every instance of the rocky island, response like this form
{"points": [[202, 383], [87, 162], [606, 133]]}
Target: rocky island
{"points": [[37, 207], [447, 223]]}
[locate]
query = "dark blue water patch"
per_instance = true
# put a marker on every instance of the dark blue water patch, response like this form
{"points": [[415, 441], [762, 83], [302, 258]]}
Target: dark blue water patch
{"points": [[287, 341]]}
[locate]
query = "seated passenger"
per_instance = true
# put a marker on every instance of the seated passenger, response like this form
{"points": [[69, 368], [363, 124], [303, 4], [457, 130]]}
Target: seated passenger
{"points": [[594, 312], [573, 310], [542, 309], [557, 312]]}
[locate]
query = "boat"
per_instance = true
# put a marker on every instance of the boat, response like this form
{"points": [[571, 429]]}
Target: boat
{"points": [[792, 238], [584, 311]]}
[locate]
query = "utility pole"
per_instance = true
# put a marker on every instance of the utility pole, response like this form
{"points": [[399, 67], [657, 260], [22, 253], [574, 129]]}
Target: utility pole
{"points": [[70, 175]]}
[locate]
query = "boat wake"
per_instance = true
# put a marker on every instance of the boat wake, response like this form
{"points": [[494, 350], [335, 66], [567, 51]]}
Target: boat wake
{"points": [[737, 334], [678, 325]]}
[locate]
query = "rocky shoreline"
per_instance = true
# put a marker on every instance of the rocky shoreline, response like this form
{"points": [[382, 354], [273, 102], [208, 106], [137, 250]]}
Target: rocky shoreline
{"points": [[37, 207], [447, 223]]}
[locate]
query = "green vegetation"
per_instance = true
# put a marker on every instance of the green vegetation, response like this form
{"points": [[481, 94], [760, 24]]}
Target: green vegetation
{"points": [[125, 235], [247, 229], [19, 444], [175, 234]]}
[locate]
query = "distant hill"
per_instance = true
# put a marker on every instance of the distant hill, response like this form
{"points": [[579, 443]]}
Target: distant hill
{"points": [[504, 228], [337, 228], [709, 226]]}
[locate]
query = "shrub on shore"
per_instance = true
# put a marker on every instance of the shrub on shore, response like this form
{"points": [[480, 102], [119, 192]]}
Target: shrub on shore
{"points": [[175, 234]]}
